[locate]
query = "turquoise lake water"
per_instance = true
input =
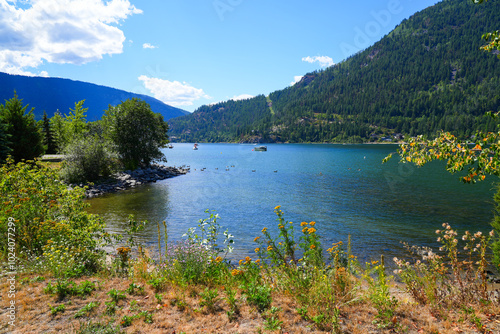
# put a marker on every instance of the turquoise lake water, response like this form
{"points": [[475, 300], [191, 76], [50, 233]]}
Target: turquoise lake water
{"points": [[344, 188]]}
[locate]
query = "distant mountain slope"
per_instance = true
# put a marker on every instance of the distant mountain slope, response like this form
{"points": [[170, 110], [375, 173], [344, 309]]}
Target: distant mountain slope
{"points": [[52, 94], [427, 74]]}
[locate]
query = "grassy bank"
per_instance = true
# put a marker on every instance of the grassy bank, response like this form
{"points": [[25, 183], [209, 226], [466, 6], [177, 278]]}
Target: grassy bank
{"points": [[64, 282]]}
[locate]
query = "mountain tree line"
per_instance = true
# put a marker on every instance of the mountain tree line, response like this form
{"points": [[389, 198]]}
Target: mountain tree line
{"points": [[428, 74]]}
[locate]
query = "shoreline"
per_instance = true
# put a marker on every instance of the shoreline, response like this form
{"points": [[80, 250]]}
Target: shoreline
{"points": [[130, 179]]}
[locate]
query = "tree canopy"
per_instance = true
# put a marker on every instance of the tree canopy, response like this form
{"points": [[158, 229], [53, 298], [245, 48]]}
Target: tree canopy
{"points": [[137, 132], [24, 135]]}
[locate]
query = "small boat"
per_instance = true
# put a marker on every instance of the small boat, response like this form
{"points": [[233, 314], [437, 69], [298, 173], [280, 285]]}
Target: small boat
{"points": [[170, 146], [195, 147], [260, 148]]}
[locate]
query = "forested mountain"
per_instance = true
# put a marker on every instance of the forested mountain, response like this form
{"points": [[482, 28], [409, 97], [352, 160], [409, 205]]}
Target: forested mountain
{"points": [[427, 74], [52, 94]]}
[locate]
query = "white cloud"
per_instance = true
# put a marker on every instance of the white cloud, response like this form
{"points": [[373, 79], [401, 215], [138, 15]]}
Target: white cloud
{"points": [[324, 61], [149, 46], [173, 93], [60, 31], [296, 79], [241, 97]]}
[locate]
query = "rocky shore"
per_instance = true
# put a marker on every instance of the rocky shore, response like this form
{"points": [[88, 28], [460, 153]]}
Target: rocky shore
{"points": [[130, 179]]}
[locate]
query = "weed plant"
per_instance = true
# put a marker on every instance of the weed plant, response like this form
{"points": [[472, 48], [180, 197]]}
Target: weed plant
{"points": [[452, 278]]}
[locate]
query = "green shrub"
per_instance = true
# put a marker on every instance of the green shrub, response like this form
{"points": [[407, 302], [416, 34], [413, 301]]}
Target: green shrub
{"points": [[53, 232], [87, 160]]}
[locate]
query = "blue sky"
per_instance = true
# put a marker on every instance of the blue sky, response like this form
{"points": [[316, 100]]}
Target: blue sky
{"points": [[190, 52]]}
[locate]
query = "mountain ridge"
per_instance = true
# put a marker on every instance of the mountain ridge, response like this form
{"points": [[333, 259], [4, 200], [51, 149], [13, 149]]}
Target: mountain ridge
{"points": [[51, 94], [426, 75]]}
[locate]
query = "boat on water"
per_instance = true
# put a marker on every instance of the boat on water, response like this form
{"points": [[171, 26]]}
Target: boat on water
{"points": [[260, 148], [195, 147], [170, 146]]}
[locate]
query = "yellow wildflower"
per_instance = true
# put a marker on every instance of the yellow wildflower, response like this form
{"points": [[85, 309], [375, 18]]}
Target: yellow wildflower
{"points": [[257, 261], [218, 259], [277, 207], [264, 230], [303, 224], [312, 223], [312, 230], [269, 248], [256, 238], [248, 259], [281, 226], [257, 250], [312, 246], [241, 262], [304, 230]]}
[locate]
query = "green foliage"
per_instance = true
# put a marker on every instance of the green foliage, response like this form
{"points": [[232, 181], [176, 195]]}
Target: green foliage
{"points": [[495, 244], [209, 299], [50, 221], [58, 126], [452, 280], [137, 132], [88, 160], [48, 137], [116, 295], [76, 125], [258, 295], [4, 142], [97, 328], [209, 235], [59, 309], [429, 74], [281, 250], [272, 321], [24, 135], [84, 311], [379, 295]]}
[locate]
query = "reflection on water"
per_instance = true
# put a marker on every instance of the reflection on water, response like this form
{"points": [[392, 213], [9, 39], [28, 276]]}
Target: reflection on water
{"points": [[344, 188], [147, 203]]}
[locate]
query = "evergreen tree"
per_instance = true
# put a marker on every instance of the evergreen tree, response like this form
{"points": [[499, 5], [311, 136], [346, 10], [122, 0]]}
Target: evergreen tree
{"points": [[48, 138], [25, 136], [4, 142]]}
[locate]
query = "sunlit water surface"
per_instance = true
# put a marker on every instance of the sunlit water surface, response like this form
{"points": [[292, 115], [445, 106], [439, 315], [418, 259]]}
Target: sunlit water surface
{"points": [[344, 188]]}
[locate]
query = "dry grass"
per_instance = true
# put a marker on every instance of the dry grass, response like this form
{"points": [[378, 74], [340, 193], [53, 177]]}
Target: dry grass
{"points": [[34, 313]]}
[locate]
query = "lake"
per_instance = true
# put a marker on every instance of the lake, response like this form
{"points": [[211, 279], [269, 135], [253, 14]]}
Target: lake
{"points": [[344, 188]]}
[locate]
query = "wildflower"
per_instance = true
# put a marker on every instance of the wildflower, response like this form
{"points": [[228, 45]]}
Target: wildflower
{"points": [[303, 224], [269, 248], [257, 250], [264, 230], [304, 230], [374, 262], [236, 272], [218, 259], [478, 234], [256, 238], [438, 231], [281, 226], [248, 259], [277, 207], [312, 223], [492, 233], [240, 262], [312, 230], [312, 246]]}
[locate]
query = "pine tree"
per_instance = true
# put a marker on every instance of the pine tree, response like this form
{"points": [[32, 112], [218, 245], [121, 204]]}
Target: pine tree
{"points": [[25, 136], [48, 138], [4, 142]]}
